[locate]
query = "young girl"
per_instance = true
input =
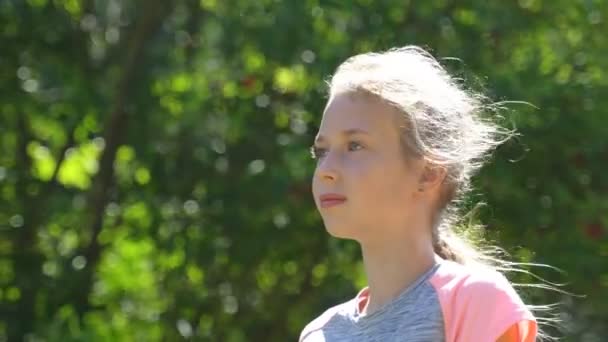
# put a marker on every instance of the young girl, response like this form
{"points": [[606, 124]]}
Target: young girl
{"points": [[397, 146]]}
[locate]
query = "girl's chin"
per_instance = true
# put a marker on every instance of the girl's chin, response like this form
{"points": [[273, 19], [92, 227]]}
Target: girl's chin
{"points": [[340, 231]]}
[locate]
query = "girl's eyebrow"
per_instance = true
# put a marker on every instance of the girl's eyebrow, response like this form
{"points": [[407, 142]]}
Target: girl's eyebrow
{"points": [[346, 132]]}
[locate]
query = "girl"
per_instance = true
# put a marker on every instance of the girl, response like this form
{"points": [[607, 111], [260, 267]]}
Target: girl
{"points": [[397, 146]]}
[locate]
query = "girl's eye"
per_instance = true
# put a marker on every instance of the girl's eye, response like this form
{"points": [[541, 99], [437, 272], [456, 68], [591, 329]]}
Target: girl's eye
{"points": [[317, 152], [354, 146]]}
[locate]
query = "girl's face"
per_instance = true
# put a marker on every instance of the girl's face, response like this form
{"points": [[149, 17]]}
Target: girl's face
{"points": [[360, 160]]}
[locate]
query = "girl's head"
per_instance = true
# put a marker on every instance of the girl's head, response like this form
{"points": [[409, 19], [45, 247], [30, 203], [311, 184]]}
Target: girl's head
{"points": [[400, 139]]}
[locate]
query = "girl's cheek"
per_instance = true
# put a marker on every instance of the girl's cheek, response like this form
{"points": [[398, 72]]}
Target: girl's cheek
{"points": [[315, 180], [365, 164], [360, 169]]}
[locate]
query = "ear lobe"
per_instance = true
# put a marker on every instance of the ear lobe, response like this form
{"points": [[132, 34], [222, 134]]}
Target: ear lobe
{"points": [[431, 176]]}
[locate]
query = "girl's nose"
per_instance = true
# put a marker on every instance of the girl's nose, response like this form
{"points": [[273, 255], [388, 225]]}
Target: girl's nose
{"points": [[327, 169]]}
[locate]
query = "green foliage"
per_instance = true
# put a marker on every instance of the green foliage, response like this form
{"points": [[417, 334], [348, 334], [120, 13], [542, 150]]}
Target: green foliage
{"points": [[154, 166]]}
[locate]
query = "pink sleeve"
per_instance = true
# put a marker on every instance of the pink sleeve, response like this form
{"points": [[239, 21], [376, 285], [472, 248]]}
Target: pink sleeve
{"points": [[480, 307]]}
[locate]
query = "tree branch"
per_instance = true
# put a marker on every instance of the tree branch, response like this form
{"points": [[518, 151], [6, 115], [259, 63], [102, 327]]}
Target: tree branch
{"points": [[114, 127]]}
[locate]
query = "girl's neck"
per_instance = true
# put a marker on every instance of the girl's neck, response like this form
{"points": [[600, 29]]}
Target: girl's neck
{"points": [[393, 266]]}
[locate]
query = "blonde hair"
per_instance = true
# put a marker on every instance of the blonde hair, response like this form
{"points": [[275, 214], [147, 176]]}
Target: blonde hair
{"points": [[445, 124]]}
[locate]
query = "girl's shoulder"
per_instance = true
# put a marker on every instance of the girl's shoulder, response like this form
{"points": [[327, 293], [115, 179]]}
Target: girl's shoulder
{"points": [[318, 323], [479, 302], [451, 277]]}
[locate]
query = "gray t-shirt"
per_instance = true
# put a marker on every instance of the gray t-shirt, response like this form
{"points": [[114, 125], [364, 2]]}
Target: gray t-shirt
{"points": [[414, 316]]}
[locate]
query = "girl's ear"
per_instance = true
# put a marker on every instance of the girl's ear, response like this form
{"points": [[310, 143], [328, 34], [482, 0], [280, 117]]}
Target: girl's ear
{"points": [[431, 176]]}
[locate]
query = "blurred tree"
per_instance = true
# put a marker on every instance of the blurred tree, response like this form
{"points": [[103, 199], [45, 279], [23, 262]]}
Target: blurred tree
{"points": [[154, 167]]}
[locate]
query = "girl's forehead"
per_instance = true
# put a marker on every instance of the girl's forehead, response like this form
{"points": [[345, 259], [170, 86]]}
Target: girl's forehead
{"points": [[346, 112], [345, 132]]}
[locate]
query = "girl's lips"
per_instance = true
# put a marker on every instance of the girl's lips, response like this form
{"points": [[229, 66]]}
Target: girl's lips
{"points": [[331, 202]]}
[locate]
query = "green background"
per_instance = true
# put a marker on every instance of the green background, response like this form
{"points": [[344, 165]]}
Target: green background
{"points": [[155, 172]]}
